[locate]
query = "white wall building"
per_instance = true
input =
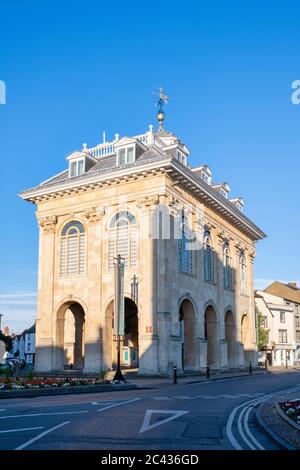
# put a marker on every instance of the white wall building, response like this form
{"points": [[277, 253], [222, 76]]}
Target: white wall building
{"points": [[279, 321], [24, 344], [29, 347]]}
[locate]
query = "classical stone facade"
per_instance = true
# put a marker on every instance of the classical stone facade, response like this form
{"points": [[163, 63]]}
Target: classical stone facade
{"points": [[184, 306]]}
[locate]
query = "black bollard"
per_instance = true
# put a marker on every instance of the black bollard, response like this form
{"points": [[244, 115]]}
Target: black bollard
{"points": [[266, 363], [286, 364], [250, 367], [207, 371], [175, 375]]}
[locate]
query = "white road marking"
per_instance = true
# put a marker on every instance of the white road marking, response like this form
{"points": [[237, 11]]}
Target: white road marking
{"points": [[21, 429], [3, 409], [107, 402], [34, 439], [161, 398], [258, 445], [118, 404], [43, 414], [246, 405], [59, 404], [184, 398], [146, 423], [240, 428]]}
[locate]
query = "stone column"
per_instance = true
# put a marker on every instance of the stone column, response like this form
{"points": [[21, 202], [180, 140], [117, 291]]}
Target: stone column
{"points": [[45, 341], [148, 333], [94, 319]]}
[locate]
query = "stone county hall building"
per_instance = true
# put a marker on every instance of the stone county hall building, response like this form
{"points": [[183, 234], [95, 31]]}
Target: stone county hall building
{"points": [[183, 307]]}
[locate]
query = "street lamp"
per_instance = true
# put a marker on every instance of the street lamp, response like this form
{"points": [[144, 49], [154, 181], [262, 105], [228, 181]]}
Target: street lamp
{"points": [[1, 315], [119, 311]]}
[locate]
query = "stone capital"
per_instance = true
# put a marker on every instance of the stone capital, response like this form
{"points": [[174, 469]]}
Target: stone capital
{"points": [[148, 202], [223, 236], [48, 223], [93, 215], [239, 247], [252, 254]]}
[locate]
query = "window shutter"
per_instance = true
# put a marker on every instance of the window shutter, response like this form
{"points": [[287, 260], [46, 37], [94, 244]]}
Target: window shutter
{"points": [[63, 257], [133, 246], [81, 254], [73, 249], [122, 243]]}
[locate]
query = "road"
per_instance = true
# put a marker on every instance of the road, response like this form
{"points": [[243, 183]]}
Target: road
{"points": [[195, 416]]}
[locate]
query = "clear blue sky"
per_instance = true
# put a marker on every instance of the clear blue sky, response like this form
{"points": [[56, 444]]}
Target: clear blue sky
{"points": [[75, 68]]}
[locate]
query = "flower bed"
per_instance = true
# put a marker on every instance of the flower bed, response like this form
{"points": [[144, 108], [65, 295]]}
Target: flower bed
{"points": [[292, 409], [39, 382]]}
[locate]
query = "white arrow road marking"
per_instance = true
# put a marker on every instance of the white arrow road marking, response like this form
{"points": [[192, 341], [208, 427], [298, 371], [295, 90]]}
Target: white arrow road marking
{"points": [[21, 429], [118, 404], [146, 423], [39, 436], [108, 402]]}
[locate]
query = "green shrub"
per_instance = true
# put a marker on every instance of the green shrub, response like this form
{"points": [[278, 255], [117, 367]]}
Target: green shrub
{"points": [[102, 375], [30, 373]]}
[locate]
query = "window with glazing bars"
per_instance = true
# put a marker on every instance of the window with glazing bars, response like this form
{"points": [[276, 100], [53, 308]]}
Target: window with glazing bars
{"points": [[122, 238], [72, 249]]}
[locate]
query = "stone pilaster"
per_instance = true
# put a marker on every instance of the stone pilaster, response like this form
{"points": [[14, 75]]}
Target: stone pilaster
{"points": [[45, 321]]}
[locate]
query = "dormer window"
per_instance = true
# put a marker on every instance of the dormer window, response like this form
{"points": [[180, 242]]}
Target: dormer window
{"points": [[203, 172], [204, 177], [222, 189], [182, 158], [223, 192], [76, 168], [238, 203], [126, 155]]}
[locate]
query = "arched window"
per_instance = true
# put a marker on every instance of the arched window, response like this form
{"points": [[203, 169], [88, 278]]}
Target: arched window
{"points": [[72, 249], [122, 238], [185, 254], [227, 268], [243, 277], [208, 258]]}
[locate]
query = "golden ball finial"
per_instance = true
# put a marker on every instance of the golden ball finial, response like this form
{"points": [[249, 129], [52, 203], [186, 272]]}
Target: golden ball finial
{"points": [[160, 116]]}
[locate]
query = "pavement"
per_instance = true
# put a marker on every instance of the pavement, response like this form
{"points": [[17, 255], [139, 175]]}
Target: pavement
{"points": [[205, 415], [277, 424]]}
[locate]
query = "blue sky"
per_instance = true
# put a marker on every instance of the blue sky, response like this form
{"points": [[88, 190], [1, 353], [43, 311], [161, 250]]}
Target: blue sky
{"points": [[75, 68]]}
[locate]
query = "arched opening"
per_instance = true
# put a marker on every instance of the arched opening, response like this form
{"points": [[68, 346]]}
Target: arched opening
{"points": [[245, 336], [187, 333], [130, 341], [70, 337], [230, 338], [211, 336]]}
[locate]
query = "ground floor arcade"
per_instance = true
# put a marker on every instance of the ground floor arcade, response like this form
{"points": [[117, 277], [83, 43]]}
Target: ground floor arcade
{"points": [[189, 339]]}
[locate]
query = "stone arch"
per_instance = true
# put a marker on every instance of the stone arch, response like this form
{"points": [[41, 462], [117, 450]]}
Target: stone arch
{"points": [[130, 341], [211, 335], [70, 336], [109, 216], [62, 223], [188, 333], [246, 335], [230, 336]]}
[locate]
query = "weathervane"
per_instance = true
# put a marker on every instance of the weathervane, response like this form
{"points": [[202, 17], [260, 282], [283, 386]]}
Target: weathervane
{"points": [[160, 102]]}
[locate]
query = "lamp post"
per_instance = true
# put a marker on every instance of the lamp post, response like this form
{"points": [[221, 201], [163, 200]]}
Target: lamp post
{"points": [[1, 315], [119, 311]]}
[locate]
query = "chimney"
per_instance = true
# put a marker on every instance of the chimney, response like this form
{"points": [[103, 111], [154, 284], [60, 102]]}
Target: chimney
{"points": [[292, 284]]}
